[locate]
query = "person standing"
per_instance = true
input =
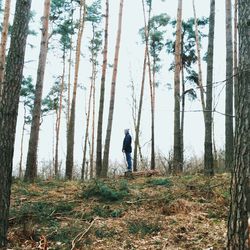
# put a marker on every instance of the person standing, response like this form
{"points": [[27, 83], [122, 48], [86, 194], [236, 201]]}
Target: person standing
{"points": [[127, 149]]}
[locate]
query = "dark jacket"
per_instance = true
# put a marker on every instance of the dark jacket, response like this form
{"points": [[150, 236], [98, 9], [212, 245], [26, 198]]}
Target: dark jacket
{"points": [[127, 143]]}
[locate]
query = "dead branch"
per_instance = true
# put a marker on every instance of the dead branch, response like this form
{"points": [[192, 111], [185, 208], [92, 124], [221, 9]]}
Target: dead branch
{"points": [[79, 237]]}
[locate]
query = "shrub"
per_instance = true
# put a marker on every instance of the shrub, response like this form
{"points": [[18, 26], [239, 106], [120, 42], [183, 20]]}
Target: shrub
{"points": [[106, 192], [160, 182]]}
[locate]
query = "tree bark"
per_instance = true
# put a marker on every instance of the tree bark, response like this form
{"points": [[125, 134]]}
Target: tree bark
{"points": [[4, 37], [229, 143], [71, 126], [238, 233], [178, 164], [208, 145], [102, 94], [31, 164], [105, 162], [9, 108]]}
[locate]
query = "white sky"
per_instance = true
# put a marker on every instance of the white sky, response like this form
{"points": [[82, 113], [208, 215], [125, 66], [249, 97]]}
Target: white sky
{"points": [[131, 58]]}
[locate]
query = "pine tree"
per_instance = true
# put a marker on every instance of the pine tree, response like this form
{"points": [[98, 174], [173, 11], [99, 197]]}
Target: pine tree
{"points": [[178, 164], [208, 151], [4, 36], [105, 161], [102, 94], [31, 163], [9, 108], [238, 227], [71, 125], [229, 89]]}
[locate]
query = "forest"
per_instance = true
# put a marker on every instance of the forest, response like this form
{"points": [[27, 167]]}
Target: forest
{"points": [[111, 119]]}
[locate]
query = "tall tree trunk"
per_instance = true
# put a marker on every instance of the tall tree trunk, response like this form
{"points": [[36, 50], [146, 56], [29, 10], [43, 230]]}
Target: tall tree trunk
{"points": [[138, 122], [4, 37], [152, 91], [31, 164], [102, 94], [235, 55], [229, 89], [183, 99], [87, 123], [198, 49], [238, 232], [20, 174], [69, 82], [208, 151], [178, 164], [58, 118], [152, 95], [105, 162], [9, 108], [71, 126], [91, 161]]}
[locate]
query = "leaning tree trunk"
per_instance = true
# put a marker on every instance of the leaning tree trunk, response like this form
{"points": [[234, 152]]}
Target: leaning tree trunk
{"points": [[102, 94], [9, 108], [238, 232], [105, 162], [4, 37], [177, 130], [198, 49], [71, 125], [31, 164], [229, 89], [208, 151]]}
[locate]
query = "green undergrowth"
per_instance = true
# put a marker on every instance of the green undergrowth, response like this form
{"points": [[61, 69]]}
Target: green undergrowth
{"points": [[122, 210], [104, 212], [41, 212], [106, 191], [159, 182], [143, 227]]}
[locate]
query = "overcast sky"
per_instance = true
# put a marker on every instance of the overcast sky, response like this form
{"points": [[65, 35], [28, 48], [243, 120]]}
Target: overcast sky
{"points": [[130, 64]]}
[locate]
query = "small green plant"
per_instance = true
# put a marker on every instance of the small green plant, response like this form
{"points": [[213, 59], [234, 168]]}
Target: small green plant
{"points": [[103, 212], [160, 182], [143, 227], [65, 234], [104, 232], [106, 192], [64, 207]]}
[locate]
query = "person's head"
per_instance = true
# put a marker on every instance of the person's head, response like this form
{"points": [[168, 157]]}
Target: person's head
{"points": [[126, 131]]}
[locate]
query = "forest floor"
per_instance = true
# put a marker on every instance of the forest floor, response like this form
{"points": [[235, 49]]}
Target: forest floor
{"points": [[180, 212]]}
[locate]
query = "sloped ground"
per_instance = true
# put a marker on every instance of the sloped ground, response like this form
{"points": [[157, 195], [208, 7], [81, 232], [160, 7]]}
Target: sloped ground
{"points": [[181, 212]]}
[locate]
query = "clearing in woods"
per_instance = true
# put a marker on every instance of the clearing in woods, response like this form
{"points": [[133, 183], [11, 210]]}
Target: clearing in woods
{"points": [[180, 212]]}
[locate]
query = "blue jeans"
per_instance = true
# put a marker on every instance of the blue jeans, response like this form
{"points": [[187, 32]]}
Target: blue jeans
{"points": [[129, 161]]}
